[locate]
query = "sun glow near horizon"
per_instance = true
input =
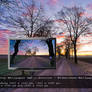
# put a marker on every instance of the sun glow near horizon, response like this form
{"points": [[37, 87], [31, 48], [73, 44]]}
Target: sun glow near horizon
{"points": [[84, 48]]}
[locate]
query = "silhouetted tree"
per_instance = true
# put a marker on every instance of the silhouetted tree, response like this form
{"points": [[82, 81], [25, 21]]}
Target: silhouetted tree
{"points": [[59, 51], [16, 49], [45, 30], [76, 23], [35, 49], [4, 2], [51, 50], [67, 44], [28, 18], [28, 52]]}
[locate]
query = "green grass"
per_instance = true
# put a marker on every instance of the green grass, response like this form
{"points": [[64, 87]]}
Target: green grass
{"points": [[4, 66], [19, 58]]}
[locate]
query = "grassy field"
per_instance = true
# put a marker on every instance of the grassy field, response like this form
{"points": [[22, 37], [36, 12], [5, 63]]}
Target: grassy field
{"points": [[4, 65], [19, 58]]}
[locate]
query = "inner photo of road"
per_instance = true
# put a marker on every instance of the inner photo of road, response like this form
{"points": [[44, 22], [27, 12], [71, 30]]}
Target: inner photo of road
{"points": [[34, 62]]}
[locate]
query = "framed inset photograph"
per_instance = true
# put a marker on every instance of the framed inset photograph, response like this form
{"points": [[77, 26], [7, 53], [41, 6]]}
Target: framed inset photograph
{"points": [[34, 53]]}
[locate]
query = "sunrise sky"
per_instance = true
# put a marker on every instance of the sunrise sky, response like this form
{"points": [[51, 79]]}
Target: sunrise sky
{"points": [[51, 8], [31, 44], [84, 45]]}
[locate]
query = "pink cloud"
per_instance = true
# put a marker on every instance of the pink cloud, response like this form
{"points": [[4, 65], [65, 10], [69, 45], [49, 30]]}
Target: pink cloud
{"points": [[21, 53], [4, 34], [52, 2], [42, 2], [88, 14], [30, 44], [89, 6]]}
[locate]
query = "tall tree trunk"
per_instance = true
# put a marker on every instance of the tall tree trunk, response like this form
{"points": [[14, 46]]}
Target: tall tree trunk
{"points": [[75, 53], [58, 50], [51, 51], [15, 51], [69, 53], [31, 29], [50, 47], [66, 54], [72, 54]]}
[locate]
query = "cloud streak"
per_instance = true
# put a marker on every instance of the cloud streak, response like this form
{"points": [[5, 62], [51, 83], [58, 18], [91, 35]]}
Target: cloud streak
{"points": [[89, 6], [52, 2], [4, 34]]}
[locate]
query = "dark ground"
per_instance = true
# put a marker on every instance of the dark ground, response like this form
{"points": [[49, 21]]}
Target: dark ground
{"points": [[87, 59], [64, 67]]}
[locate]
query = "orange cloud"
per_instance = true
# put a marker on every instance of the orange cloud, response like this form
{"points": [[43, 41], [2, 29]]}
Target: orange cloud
{"points": [[81, 14], [60, 36]]}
